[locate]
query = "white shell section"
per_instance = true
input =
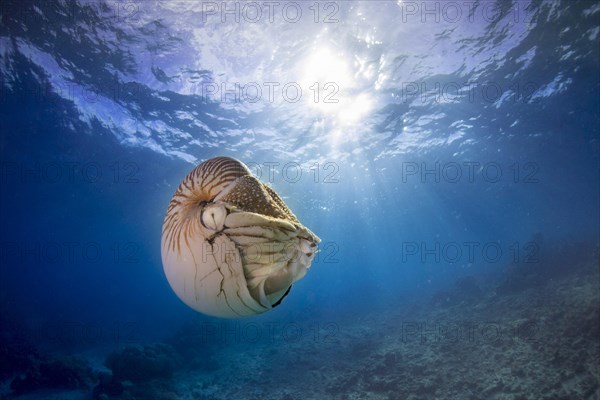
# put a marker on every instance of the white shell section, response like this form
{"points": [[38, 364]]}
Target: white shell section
{"points": [[230, 246]]}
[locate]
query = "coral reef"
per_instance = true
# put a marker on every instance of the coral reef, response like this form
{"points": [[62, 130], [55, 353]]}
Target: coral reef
{"points": [[139, 372], [17, 353], [196, 347], [16, 358], [107, 387], [139, 364], [57, 373], [534, 341]]}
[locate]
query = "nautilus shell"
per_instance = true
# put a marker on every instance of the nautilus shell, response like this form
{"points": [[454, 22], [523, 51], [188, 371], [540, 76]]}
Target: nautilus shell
{"points": [[230, 246]]}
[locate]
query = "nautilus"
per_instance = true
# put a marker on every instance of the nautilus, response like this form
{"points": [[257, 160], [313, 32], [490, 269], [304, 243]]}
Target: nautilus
{"points": [[230, 246]]}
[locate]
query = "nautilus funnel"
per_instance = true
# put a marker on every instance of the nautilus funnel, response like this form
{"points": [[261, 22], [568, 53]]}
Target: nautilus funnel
{"points": [[230, 246]]}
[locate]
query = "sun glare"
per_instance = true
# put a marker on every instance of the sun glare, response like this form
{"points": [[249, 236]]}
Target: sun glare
{"points": [[326, 66], [329, 80], [354, 109]]}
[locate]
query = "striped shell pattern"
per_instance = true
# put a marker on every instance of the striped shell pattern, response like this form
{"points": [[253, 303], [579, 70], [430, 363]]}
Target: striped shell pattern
{"points": [[230, 246]]}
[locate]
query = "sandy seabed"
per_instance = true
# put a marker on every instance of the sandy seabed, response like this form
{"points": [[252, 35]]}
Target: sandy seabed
{"points": [[539, 342]]}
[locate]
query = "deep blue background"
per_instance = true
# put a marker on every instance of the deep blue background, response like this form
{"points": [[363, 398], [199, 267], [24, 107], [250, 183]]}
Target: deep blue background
{"points": [[91, 190]]}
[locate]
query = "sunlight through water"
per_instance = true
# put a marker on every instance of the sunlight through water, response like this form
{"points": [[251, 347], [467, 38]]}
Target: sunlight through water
{"points": [[331, 80]]}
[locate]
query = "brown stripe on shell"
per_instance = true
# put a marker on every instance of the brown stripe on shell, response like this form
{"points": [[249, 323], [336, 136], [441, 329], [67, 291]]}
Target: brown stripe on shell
{"points": [[202, 184]]}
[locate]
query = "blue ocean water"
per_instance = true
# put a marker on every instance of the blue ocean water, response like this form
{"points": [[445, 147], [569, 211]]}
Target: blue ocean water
{"points": [[446, 153]]}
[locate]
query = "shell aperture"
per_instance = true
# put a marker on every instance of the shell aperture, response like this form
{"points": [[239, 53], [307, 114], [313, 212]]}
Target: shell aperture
{"points": [[230, 246]]}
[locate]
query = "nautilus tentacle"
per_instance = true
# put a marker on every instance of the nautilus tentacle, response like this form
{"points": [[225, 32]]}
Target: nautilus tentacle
{"points": [[230, 246]]}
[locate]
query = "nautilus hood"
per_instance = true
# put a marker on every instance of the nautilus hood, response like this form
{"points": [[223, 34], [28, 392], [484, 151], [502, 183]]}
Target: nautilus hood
{"points": [[230, 245]]}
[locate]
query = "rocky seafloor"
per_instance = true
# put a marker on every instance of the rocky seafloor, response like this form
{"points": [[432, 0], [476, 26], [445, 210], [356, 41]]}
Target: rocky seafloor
{"points": [[533, 336]]}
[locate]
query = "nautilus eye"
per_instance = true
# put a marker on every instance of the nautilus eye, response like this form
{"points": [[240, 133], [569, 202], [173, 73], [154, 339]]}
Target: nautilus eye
{"points": [[230, 246], [213, 217]]}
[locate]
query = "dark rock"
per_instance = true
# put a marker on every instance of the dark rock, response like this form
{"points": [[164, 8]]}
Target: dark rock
{"points": [[140, 364], [196, 344], [17, 353], [155, 390], [107, 386], [63, 373], [16, 357]]}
